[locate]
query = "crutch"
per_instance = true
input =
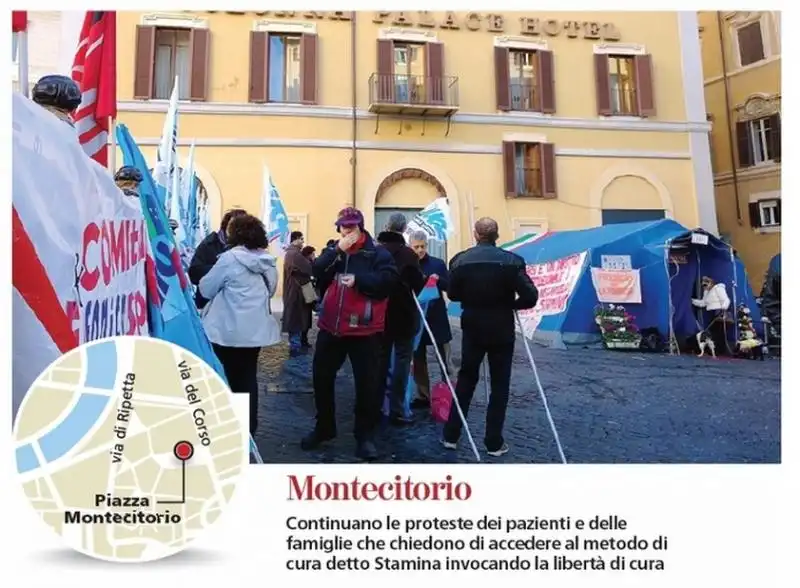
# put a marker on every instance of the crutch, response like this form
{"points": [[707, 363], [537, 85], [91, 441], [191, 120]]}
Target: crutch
{"points": [[541, 390], [254, 450], [486, 378], [447, 378]]}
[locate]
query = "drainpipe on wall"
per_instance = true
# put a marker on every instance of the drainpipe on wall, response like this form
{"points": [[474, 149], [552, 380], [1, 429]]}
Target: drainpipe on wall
{"points": [[354, 112], [729, 119]]}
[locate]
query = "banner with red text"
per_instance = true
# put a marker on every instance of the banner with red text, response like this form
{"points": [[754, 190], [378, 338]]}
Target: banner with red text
{"points": [[617, 286], [79, 247], [555, 281]]}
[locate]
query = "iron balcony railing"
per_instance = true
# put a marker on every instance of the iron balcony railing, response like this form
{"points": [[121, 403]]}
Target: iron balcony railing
{"points": [[402, 90], [523, 96], [529, 181], [623, 100]]}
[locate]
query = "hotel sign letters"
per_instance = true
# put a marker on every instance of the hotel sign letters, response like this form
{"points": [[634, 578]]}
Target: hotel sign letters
{"points": [[472, 21]]}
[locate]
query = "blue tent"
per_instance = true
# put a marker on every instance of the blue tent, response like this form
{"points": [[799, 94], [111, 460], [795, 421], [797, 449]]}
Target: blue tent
{"points": [[670, 263]]}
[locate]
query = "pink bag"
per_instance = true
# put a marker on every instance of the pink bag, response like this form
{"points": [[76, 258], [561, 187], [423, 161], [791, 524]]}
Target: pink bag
{"points": [[441, 401]]}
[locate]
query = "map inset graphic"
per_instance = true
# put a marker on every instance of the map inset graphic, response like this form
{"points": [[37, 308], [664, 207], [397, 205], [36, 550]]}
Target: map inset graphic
{"points": [[129, 448]]}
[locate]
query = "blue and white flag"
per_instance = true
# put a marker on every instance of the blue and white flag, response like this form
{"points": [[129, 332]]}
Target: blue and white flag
{"points": [[166, 158], [434, 220], [189, 201], [274, 216]]}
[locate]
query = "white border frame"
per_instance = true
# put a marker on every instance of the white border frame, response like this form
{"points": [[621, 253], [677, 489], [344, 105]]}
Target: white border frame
{"points": [[520, 43], [175, 21], [407, 35], [283, 26], [518, 221], [619, 49], [740, 20]]}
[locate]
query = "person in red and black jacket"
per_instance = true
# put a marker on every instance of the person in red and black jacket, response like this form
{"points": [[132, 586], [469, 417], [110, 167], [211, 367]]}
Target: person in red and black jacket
{"points": [[355, 279]]}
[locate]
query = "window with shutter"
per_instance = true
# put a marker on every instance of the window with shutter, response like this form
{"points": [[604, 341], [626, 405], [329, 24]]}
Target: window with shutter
{"points": [[529, 170], [751, 43], [624, 85], [283, 68], [258, 66], [759, 141], [769, 213], [525, 80], [164, 54]]}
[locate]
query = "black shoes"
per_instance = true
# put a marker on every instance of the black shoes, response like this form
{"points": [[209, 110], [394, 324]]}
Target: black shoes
{"points": [[399, 420], [419, 403], [314, 439], [366, 450]]}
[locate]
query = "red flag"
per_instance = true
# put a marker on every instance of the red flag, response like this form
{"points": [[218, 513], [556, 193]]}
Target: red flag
{"points": [[95, 71], [19, 21]]}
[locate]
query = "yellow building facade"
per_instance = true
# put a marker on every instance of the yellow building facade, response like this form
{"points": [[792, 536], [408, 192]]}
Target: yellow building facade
{"points": [[544, 121], [742, 69]]}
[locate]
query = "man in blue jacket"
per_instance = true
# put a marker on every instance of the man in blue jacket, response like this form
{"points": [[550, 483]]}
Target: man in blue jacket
{"points": [[438, 321], [355, 279]]}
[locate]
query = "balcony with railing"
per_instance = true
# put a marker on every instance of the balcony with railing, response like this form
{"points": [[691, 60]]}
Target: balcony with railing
{"points": [[407, 94]]}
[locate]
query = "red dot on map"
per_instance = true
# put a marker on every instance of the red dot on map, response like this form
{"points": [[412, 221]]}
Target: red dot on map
{"points": [[183, 450]]}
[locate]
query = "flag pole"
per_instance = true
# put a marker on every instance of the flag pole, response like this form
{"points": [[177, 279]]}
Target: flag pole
{"points": [[22, 62], [112, 160]]}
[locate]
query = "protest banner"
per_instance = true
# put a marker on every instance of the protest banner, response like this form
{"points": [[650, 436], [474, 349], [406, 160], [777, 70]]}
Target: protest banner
{"points": [[617, 286], [555, 281], [79, 247]]}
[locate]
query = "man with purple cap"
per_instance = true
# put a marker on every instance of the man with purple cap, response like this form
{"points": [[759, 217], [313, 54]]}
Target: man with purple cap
{"points": [[355, 278]]}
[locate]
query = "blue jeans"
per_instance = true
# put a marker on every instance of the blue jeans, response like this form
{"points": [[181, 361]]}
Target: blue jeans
{"points": [[295, 341], [403, 350]]}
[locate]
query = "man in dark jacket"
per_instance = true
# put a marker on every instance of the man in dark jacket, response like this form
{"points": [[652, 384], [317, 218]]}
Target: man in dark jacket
{"points": [[355, 278], [402, 318], [437, 318], [205, 256], [491, 284]]}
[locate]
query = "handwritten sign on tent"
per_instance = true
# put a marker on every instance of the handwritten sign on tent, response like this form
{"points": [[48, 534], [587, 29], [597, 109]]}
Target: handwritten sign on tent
{"points": [[617, 286], [555, 281]]}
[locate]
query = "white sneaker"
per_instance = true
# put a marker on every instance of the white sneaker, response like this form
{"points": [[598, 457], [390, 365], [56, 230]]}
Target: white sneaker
{"points": [[449, 445], [499, 452]]}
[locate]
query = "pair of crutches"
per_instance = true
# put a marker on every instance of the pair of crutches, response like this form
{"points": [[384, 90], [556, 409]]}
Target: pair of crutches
{"points": [[486, 384]]}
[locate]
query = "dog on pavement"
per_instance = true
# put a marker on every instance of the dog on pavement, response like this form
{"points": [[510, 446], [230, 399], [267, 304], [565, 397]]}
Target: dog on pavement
{"points": [[705, 341]]}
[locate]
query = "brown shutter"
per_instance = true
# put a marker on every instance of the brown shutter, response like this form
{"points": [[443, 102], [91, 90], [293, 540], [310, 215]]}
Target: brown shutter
{"points": [[547, 152], [775, 138], [434, 72], [547, 82], [743, 144], [602, 85], [502, 78], [145, 62], [755, 215], [509, 169], [308, 69], [778, 212], [645, 97], [385, 78], [258, 66], [199, 49]]}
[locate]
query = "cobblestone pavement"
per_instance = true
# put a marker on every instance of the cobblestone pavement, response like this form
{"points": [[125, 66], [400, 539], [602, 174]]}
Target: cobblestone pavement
{"points": [[609, 407]]}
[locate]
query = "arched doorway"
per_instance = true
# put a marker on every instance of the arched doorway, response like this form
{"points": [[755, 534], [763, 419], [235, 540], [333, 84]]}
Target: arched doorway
{"points": [[403, 191]]}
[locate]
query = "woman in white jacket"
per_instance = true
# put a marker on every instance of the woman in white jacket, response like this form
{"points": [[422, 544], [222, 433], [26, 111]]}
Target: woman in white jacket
{"points": [[238, 319]]}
